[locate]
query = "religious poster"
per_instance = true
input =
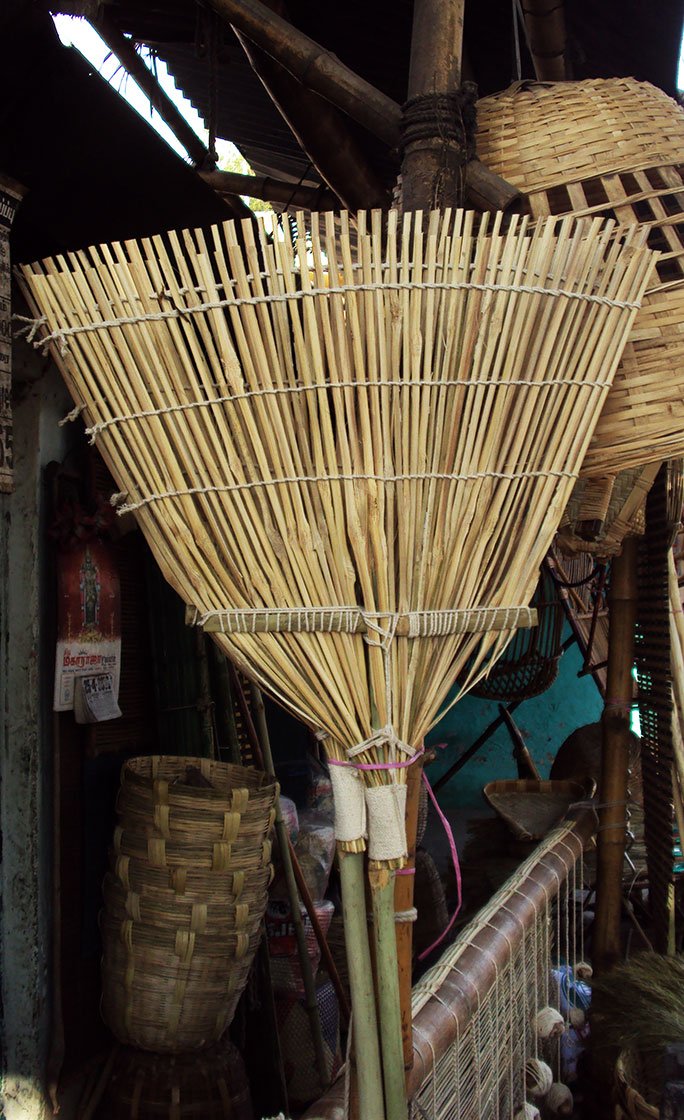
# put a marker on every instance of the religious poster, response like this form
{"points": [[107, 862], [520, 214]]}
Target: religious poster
{"points": [[88, 661], [10, 197]]}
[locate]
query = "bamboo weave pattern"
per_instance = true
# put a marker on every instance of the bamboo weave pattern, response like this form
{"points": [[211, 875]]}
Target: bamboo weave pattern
{"points": [[611, 147]]}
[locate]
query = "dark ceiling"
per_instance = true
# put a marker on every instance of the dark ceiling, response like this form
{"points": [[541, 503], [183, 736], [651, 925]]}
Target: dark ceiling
{"points": [[96, 171], [606, 38]]}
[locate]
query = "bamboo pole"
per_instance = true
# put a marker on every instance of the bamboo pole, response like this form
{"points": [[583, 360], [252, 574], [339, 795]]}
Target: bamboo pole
{"points": [[435, 67], [286, 859], [225, 714], [545, 23], [382, 897], [124, 49], [271, 190], [615, 759], [319, 69], [403, 902], [323, 73], [366, 1046]]}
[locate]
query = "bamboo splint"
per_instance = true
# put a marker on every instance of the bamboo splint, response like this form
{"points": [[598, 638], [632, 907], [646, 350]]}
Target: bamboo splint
{"points": [[611, 147], [322, 427]]}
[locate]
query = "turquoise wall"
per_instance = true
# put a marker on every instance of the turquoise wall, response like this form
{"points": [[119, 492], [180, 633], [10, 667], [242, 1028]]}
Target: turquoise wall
{"points": [[545, 721]]}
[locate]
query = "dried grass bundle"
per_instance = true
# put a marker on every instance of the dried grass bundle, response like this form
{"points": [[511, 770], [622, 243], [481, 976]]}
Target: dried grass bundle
{"points": [[639, 1005]]}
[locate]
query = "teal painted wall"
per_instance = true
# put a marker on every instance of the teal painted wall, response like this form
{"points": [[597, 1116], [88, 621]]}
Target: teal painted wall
{"points": [[545, 721]]}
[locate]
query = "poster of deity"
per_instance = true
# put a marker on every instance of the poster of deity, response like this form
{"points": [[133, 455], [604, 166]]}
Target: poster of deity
{"points": [[88, 624]]}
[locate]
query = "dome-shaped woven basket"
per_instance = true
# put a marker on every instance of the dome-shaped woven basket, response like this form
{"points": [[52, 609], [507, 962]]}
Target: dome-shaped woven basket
{"points": [[207, 1086], [616, 506], [184, 904], [614, 148]]}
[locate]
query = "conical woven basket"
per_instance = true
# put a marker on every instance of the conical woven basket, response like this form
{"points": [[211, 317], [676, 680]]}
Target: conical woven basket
{"points": [[613, 147], [184, 903]]}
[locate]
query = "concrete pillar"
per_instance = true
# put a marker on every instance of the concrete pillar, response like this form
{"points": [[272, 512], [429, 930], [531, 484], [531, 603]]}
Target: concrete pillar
{"points": [[25, 748]]}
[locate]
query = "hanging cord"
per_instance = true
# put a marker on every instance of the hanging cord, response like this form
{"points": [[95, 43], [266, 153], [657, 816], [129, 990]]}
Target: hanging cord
{"points": [[457, 871], [213, 86]]}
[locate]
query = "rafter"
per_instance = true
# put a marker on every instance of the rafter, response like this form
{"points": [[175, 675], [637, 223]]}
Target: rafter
{"points": [[271, 190], [321, 72]]}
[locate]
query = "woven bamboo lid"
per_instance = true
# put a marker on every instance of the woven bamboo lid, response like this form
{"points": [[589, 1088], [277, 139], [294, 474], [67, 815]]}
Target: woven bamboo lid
{"points": [[543, 134]]}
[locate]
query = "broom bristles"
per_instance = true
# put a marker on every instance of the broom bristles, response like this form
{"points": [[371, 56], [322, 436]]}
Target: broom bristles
{"points": [[391, 419]]}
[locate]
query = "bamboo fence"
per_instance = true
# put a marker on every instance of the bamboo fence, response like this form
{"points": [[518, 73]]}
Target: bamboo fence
{"points": [[349, 456]]}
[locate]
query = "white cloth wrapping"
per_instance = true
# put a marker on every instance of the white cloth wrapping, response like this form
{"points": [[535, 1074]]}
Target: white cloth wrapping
{"points": [[350, 803], [386, 807]]}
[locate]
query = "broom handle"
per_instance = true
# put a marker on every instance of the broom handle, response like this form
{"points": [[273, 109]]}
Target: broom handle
{"points": [[384, 928], [300, 933], [403, 900], [366, 1049]]}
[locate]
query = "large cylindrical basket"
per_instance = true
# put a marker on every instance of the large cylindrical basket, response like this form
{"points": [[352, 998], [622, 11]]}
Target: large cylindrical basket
{"points": [[184, 900]]}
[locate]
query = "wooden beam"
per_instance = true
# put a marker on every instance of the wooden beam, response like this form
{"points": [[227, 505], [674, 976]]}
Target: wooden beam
{"points": [[545, 23], [133, 64], [610, 852], [321, 72], [271, 190]]}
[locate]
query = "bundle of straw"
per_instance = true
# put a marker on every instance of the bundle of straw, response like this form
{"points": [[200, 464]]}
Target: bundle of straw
{"points": [[349, 452], [640, 1004]]}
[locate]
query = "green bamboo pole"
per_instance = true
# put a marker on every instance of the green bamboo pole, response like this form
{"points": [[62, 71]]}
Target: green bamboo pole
{"points": [[382, 895], [366, 1048]]}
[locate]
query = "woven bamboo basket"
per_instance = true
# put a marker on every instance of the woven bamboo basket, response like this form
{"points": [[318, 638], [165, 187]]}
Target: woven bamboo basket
{"points": [[612, 147], [184, 904], [532, 808], [602, 512], [631, 1090], [530, 662], [349, 451], [208, 1086]]}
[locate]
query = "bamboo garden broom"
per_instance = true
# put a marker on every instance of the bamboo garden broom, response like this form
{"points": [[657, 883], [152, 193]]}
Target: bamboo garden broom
{"points": [[349, 453]]}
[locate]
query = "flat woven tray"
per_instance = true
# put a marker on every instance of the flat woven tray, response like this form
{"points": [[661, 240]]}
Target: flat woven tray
{"points": [[532, 808]]}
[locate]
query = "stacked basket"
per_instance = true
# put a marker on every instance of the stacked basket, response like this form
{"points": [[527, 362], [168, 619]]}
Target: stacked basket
{"points": [[211, 1084], [184, 901]]}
